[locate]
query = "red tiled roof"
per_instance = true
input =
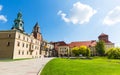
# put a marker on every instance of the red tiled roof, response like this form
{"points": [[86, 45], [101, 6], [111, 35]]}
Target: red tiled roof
{"points": [[62, 43], [59, 43], [83, 43]]}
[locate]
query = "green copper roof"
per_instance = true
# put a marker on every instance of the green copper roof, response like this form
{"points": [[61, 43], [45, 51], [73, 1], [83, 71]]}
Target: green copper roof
{"points": [[18, 23]]}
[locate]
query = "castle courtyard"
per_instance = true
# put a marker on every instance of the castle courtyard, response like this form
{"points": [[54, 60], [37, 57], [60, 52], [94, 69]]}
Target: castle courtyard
{"points": [[23, 67]]}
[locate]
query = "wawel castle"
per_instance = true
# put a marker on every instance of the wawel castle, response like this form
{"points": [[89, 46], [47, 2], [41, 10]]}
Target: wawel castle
{"points": [[64, 49], [15, 43]]}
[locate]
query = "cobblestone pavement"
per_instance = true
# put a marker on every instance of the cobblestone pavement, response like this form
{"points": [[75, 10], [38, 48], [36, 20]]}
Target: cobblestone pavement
{"points": [[23, 67]]}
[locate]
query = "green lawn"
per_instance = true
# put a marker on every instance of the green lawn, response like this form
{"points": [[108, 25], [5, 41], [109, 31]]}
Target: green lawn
{"points": [[95, 66]]}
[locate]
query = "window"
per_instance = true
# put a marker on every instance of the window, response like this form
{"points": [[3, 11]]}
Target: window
{"points": [[26, 45], [8, 43], [30, 53], [9, 35], [27, 52], [18, 44], [22, 52], [23, 44], [19, 52], [19, 36], [23, 38]]}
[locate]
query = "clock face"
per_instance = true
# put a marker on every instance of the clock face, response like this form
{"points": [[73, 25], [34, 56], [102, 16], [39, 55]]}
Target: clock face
{"points": [[21, 25], [21, 28]]}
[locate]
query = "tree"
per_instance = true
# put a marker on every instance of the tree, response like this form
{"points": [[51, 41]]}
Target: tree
{"points": [[100, 48], [113, 53], [75, 51], [88, 52], [85, 51]]}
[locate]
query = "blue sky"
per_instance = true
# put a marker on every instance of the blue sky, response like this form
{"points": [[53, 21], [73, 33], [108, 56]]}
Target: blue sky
{"points": [[67, 20]]}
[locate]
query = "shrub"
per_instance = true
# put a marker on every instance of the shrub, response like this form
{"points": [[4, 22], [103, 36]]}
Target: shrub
{"points": [[75, 51], [113, 53], [85, 51]]}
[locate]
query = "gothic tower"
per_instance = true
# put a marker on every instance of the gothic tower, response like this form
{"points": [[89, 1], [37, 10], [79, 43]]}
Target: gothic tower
{"points": [[36, 32], [18, 23], [104, 37]]}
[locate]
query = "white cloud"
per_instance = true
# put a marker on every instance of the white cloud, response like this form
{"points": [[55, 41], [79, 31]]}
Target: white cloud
{"points": [[113, 17], [79, 14], [0, 7], [2, 17], [63, 16]]}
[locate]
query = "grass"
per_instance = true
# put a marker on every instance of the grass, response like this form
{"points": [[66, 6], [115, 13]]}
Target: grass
{"points": [[96, 66], [9, 60]]}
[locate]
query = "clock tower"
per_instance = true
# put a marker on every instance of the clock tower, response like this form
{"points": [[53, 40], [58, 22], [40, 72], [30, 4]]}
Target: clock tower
{"points": [[36, 32], [18, 23]]}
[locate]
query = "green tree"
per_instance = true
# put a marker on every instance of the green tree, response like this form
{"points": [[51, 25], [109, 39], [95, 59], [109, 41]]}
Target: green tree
{"points": [[88, 52], [113, 53], [100, 48], [75, 51], [85, 51]]}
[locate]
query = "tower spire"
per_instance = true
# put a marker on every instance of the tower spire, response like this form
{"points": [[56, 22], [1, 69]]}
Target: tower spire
{"points": [[18, 23], [36, 28], [36, 32]]}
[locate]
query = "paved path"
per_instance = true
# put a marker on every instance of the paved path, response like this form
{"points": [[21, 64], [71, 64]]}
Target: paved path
{"points": [[23, 67]]}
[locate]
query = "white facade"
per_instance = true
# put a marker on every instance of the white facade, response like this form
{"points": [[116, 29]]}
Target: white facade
{"points": [[26, 46], [63, 51], [18, 45]]}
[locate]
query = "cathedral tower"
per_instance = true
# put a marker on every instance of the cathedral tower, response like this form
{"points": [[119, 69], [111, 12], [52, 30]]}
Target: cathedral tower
{"points": [[104, 37], [18, 23], [36, 32]]}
